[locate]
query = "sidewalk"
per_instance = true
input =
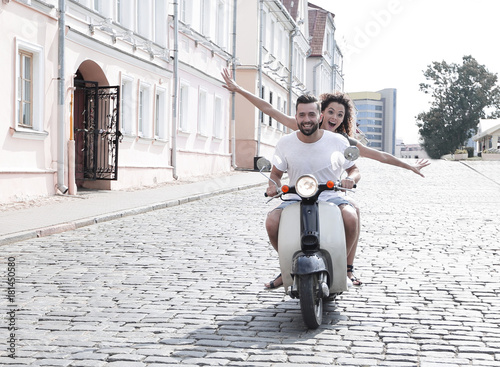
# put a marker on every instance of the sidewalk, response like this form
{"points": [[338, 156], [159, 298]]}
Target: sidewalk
{"points": [[63, 213]]}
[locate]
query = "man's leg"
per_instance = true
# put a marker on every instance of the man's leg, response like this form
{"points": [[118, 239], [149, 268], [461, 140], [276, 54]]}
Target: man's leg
{"points": [[272, 226]]}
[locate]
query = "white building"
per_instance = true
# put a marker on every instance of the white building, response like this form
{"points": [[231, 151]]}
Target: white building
{"points": [[413, 151], [325, 63], [488, 135], [112, 94], [271, 49]]}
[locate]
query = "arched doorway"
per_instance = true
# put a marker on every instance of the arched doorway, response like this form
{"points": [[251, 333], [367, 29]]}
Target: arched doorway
{"points": [[96, 127]]}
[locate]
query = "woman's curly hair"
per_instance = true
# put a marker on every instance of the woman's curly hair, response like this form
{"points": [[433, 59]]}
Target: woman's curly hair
{"points": [[347, 126]]}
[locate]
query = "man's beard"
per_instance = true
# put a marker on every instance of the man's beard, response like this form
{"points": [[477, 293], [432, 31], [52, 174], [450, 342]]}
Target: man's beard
{"points": [[308, 132]]}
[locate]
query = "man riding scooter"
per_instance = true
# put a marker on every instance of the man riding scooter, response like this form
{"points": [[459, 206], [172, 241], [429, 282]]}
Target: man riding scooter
{"points": [[310, 149]]}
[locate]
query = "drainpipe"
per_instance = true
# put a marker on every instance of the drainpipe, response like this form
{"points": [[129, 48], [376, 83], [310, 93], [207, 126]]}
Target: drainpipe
{"points": [[60, 104], [261, 45], [176, 91], [233, 95], [293, 33]]}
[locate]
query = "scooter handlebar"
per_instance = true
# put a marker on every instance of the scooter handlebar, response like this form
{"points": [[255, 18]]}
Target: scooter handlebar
{"points": [[337, 187]]}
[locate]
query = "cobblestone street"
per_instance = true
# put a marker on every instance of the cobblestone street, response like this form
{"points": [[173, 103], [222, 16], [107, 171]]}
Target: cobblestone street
{"points": [[184, 285]]}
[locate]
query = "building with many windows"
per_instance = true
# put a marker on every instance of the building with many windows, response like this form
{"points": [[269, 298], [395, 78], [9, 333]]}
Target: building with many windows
{"points": [[128, 93], [271, 48], [376, 118], [112, 94]]}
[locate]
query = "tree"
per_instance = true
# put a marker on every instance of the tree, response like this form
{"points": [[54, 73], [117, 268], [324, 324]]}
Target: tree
{"points": [[462, 94]]}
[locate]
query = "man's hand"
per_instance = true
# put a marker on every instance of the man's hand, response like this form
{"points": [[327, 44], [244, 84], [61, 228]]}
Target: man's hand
{"points": [[230, 83], [271, 191], [347, 183]]}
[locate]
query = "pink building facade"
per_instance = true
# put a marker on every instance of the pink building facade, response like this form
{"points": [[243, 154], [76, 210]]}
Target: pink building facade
{"points": [[117, 118]]}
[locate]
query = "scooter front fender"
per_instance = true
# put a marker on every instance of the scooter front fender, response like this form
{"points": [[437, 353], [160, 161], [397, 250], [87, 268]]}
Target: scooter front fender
{"points": [[308, 264]]}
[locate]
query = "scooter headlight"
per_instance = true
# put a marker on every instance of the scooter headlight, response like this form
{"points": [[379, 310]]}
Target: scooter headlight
{"points": [[306, 186]]}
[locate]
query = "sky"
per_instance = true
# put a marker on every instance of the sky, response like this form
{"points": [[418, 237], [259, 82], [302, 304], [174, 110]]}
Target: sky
{"points": [[389, 44]]}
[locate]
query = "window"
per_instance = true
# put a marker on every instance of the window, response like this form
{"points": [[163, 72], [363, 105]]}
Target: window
{"points": [[220, 24], [286, 113], [127, 103], [286, 48], [25, 89], [271, 102], [368, 107], [160, 115], [261, 115], [96, 5], [142, 19], [118, 10], [202, 113], [218, 117], [205, 17], [183, 107], [327, 43], [185, 11], [160, 27], [279, 51], [157, 115], [271, 37], [141, 112], [29, 71], [279, 125], [144, 121], [363, 114]]}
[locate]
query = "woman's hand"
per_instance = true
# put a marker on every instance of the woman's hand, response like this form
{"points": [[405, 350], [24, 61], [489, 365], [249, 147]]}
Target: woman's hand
{"points": [[230, 83], [419, 165]]}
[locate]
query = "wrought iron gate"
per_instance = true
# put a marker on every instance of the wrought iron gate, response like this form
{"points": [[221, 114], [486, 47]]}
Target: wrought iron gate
{"points": [[97, 111]]}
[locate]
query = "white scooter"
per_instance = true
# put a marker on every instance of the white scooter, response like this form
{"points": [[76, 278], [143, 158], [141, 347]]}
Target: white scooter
{"points": [[311, 244]]}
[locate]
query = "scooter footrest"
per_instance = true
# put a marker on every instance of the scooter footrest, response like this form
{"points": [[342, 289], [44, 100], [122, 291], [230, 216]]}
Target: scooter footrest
{"points": [[293, 292]]}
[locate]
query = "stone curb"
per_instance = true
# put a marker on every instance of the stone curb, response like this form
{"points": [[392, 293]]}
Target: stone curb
{"points": [[69, 226]]}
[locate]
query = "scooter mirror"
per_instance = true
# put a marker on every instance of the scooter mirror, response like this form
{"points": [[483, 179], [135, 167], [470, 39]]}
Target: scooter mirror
{"points": [[351, 153], [263, 164]]}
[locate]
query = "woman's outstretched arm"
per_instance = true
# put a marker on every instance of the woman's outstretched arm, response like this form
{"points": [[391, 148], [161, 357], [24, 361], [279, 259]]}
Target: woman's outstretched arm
{"points": [[261, 104], [387, 158]]}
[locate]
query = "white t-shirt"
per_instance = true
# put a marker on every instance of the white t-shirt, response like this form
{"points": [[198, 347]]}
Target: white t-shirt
{"points": [[323, 159]]}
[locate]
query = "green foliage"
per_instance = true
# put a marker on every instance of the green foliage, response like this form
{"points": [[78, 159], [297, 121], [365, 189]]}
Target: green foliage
{"points": [[461, 95]]}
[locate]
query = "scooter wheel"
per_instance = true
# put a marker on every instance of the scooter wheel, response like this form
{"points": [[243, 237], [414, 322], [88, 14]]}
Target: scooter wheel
{"points": [[311, 305]]}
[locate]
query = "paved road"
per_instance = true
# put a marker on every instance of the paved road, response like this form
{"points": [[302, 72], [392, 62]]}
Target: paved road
{"points": [[183, 285]]}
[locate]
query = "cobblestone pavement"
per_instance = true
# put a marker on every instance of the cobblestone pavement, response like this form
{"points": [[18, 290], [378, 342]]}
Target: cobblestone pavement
{"points": [[184, 285]]}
